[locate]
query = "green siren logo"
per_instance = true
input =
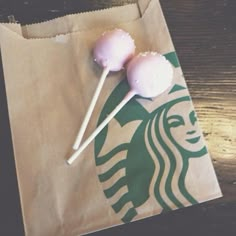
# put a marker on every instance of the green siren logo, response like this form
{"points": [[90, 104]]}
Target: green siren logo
{"points": [[154, 164]]}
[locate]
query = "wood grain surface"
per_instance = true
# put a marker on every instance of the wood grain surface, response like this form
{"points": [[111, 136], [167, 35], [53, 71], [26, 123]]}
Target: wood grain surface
{"points": [[204, 34]]}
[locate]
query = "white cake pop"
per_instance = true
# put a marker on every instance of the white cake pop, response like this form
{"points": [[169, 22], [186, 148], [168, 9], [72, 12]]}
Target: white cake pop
{"points": [[149, 74]]}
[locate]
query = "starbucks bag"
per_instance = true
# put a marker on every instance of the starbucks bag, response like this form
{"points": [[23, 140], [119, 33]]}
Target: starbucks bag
{"points": [[149, 159]]}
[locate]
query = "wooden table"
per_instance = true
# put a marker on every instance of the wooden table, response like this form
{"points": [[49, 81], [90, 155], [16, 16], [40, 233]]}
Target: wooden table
{"points": [[204, 34]]}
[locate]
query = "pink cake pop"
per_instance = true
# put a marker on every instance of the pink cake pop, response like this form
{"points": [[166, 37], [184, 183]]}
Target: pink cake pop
{"points": [[112, 50], [149, 74]]}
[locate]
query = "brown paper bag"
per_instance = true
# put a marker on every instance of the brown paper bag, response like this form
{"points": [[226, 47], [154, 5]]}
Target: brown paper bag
{"points": [[150, 158]]}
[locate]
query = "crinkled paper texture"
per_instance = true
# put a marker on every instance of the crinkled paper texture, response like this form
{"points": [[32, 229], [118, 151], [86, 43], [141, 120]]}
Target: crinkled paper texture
{"points": [[150, 158]]}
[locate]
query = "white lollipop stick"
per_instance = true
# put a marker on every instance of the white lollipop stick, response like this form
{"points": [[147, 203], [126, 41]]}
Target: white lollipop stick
{"points": [[90, 109], [128, 96]]}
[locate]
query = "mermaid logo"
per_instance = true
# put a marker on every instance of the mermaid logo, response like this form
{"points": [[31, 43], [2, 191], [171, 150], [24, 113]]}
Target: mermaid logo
{"points": [[154, 164]]}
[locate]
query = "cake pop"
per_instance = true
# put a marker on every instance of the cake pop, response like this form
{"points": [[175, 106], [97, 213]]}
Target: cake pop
{"points": [[149, 74], [112, 51]]}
